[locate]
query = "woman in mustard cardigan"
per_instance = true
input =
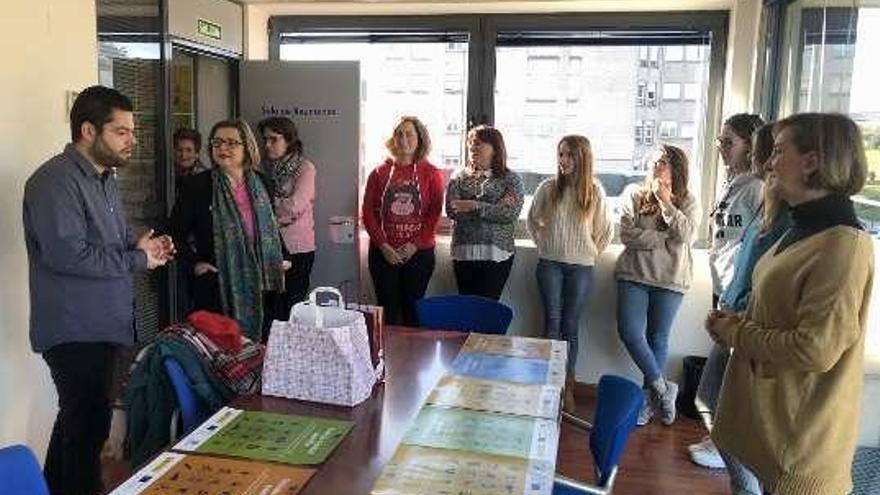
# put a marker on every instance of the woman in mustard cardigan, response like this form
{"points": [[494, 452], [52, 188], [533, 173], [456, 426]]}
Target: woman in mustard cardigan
{"points": [[786, 408]]}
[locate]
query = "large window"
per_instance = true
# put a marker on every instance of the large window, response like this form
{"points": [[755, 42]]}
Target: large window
{"points": [[628, 83], [834, 69], [830, 48], [598, 84], [426, 77]]}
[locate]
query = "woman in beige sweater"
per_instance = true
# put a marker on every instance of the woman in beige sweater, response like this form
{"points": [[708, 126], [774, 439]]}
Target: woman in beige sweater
{"points": [[787, 405], [569, 222], [657, 227]]}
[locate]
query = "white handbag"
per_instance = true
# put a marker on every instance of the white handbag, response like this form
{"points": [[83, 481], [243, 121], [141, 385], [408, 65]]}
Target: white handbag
{"points": [[322, 354]]}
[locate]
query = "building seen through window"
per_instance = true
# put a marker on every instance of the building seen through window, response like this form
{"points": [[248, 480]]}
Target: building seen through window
{"points": [[626, 98], [425, 79], [837, 72], [607, 93]]}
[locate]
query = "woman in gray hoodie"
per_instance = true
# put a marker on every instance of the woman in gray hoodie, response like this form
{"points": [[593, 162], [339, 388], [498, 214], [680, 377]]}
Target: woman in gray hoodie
{"points": [[740, 200]]}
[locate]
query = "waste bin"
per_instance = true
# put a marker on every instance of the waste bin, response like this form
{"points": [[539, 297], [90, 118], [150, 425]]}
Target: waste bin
{"points": [[693, 370]]}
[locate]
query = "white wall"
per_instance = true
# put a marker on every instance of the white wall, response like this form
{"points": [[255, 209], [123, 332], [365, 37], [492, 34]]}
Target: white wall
{"points": [[256, 32], [600, 350], [742, 56], [51, 49], [257, 14]]}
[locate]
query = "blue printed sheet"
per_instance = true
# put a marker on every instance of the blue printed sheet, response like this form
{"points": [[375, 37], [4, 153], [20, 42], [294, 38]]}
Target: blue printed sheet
{"points": [[511, 369]]}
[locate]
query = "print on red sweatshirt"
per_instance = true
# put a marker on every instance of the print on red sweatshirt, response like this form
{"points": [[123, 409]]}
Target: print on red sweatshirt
{"points": [[406, 207]]}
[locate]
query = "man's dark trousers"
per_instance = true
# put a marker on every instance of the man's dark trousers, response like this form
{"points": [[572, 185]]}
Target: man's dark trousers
{"points": [[83, 376]]}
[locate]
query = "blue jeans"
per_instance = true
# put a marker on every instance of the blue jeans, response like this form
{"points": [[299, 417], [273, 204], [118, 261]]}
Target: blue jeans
{"points": [[565, 288], [644, 320], [742, 480], [710, 383]]}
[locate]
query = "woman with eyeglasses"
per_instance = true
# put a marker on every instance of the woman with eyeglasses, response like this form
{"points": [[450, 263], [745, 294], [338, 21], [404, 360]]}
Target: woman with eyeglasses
{"points": [[292, 183], [739, 200], [658, 225], [570, 223], [763, 232], [737, 208], [484, 200], [402, 204], [788, 407], [236, 251]]}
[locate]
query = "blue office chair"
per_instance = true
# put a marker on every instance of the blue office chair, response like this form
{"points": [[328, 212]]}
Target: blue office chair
{"points": [[617, 407], [464, 314], [21, 472], [192, 412]]}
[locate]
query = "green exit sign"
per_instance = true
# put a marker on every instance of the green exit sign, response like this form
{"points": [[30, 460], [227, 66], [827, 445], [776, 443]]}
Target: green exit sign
{"points": [[210, 29]]}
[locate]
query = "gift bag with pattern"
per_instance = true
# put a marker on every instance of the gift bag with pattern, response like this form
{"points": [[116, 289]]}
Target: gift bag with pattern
{"points": [[321, 354]]}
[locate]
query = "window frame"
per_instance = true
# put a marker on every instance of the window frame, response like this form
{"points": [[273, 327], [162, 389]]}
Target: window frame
{"points": [[397, 28]]}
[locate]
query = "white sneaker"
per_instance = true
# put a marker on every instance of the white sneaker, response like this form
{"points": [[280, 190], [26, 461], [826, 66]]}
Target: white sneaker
{"points": [[646, 413], [706, 455], [666, 403], [705, 443]]}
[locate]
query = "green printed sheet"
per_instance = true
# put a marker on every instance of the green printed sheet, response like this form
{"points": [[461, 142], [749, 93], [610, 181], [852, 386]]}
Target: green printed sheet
{"points": [[267, 436], [484, 432]]}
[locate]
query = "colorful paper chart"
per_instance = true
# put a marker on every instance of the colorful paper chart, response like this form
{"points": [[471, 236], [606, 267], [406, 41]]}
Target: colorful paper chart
{"points": [[540, 401], [525, 347], [194, 474], [266, 436], [511, 369], [488, 433], [421, 470]]}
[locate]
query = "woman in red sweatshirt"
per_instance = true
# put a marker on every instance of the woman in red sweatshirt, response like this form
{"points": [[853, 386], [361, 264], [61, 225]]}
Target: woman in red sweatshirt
{"points": [[402, 203]]}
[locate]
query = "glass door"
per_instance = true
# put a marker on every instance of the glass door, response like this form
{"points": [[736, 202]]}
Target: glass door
{"points": [[131, 64], [201, 94]]}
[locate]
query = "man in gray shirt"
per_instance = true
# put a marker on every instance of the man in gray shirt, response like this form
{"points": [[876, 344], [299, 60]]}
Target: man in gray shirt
{"points": [[81, 255]]}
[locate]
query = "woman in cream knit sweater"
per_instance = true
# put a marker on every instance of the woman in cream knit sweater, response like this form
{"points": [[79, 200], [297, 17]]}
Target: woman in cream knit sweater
{"points": [[787, 405], [570, 225]]}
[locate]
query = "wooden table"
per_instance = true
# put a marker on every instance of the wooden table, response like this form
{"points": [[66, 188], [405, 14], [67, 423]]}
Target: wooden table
{"points": [[416, 359]]}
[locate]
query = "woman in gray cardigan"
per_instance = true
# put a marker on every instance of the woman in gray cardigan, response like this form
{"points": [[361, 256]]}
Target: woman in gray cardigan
{"points": [[484, 200]]}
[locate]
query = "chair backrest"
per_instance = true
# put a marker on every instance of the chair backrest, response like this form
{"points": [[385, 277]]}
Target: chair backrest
{"points": [[192, 412], [617, 407], [464, 314], [20, 472]]}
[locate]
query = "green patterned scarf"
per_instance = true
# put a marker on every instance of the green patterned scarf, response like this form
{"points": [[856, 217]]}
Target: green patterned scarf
{"points": [[246, 270]]}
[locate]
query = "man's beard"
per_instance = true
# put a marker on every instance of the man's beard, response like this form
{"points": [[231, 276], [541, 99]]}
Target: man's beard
{"points": [[105, 156]]}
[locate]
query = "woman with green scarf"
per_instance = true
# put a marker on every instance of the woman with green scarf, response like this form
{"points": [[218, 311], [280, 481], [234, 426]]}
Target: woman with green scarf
{"points": [[227, 212]]}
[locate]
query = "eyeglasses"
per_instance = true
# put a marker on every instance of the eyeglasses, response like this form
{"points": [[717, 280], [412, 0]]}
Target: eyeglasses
{"points": [[723, 143], [661, 162], [229, 143]]}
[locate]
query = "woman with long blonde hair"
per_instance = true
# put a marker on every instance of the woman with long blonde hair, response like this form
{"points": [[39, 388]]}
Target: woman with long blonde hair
{"points": [[657, 227], [569, 222]]}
